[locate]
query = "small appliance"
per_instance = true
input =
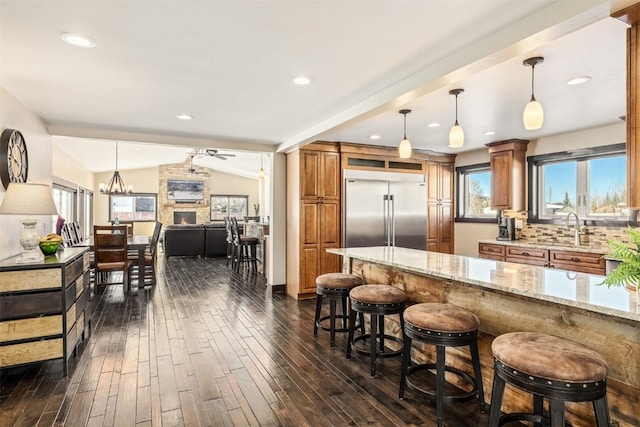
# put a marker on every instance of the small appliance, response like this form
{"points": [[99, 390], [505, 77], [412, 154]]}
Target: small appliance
{"points": [[506, 228]]}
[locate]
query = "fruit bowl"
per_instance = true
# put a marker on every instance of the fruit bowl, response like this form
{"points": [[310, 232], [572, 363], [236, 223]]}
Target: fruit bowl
{"points": [[49, 247]]}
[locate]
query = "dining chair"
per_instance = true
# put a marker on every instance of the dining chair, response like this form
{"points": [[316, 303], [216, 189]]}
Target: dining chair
{"points": [[129, 225], [230, 242], [110, 254], [76, 232], [67, 239], [150, 258]]}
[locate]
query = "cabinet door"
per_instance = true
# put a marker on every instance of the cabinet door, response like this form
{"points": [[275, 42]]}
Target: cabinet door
{"points": [[309, 223], [433, 224], [309, 172], [501, 164], [433, 181], [308, 269], [446, 228], [446, 182], [329, 176], [329, 237]]}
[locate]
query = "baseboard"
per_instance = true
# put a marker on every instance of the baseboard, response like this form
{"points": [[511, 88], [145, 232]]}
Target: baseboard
{"points": [[278, 289]]}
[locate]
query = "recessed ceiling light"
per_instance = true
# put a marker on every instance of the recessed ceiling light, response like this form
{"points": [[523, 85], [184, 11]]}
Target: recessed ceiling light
{"points": [[578, 80], [374, 136], [489, 132], [433, 125], [184, 117], [302, 80], [77, 40]]}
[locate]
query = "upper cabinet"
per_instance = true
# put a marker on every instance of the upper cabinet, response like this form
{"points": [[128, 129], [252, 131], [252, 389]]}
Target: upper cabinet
{"points": [[320, 174], [508, 169]]}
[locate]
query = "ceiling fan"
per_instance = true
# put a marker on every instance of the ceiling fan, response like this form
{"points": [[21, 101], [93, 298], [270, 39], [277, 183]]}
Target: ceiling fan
{"points": [[212, 152], [193, 170]]}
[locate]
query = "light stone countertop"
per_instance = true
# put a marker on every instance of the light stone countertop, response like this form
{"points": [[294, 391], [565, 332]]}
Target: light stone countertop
{"points": [[563, 287], [590, 248]]}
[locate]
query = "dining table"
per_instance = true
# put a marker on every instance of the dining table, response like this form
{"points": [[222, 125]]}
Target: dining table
{"points": [[137, 242]]}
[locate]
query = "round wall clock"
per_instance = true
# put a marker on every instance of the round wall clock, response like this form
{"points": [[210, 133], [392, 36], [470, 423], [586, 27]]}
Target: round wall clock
{"points": [[14, 164]]}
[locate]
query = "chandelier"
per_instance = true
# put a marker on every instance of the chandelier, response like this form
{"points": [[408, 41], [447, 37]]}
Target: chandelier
{"points": [[116, 185]]}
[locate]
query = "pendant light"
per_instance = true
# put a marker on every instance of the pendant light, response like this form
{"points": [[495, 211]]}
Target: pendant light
{"points": [[533, 116], [261, 171], [116, 185], [456, 134], [404, 149]]}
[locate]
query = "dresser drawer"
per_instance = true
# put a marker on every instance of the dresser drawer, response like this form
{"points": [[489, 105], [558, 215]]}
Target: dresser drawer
{"points": [[73, 271], [17, 354], [13, 306], [26, 280], [22, 329]]}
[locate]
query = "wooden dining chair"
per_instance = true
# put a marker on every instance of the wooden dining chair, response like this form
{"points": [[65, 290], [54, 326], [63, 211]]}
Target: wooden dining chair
{"points": [[76, 232], [149, 261], [110, 254], [67, 238]]}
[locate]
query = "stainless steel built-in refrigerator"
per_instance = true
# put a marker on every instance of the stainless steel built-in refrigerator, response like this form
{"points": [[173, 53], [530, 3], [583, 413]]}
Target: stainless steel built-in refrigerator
{"points": [[385, 209]]}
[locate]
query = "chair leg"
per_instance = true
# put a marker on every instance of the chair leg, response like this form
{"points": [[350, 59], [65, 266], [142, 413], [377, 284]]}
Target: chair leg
{"points": [[374, 333], [318, 310], [475, 360], [406, 361], [538, 405], [332, 321], [352, 327], [440, 366], [556, 412], [600, 407], [496, 400]]}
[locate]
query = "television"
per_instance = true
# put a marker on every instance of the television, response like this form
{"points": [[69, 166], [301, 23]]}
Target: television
{"points": [[185, 191]]}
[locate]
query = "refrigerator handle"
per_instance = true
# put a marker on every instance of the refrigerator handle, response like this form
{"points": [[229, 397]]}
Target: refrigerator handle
{"points": [[385, 218], [392, 220]]}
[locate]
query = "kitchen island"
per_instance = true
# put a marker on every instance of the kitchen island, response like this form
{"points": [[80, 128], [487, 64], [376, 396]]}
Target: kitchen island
{"points": [[515, 297]]}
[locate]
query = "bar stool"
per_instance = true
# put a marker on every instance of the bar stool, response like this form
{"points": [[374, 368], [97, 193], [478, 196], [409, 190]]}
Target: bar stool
{"points": [[548, 367], [378, 301], [335, 287], [441, 325], [245, 247]]}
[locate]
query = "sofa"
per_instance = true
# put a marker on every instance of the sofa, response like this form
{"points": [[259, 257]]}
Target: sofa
{"points": [[206, 240]]}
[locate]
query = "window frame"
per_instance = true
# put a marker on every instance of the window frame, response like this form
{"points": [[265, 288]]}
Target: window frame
{"points": [[534, 163], [228, 197], [461, 193], [135, 195]]}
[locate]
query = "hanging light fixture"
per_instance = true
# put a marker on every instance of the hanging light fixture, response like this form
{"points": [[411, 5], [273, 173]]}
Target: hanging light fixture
{"points": [[456, 134], [404, 149], [116, 185], [261, 171], [533, 116]]}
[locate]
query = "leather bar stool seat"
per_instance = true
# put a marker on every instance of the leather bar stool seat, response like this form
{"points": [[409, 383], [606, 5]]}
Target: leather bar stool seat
{"points": [[441, 325], [378, 301], [335, 287], [549, 367]]}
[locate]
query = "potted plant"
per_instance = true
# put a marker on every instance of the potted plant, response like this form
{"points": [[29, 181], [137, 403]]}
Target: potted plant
{"points": [[628, 271]]}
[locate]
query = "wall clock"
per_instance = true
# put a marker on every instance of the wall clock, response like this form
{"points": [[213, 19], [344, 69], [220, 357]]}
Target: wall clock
{"points": [[14, 164]]}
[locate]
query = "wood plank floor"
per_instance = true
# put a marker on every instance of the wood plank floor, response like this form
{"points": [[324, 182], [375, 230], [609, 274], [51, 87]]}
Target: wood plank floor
{"points": [[207, 347]]}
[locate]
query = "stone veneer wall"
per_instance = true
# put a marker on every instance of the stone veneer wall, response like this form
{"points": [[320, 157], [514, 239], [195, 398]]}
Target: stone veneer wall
{"points": [[562, 234], [166, 208]]}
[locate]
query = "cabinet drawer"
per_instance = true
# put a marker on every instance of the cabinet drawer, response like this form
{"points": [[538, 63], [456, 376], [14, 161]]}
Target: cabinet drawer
{"points": [[73, 271], [26, 280], [491, 249], [17, 354], [14, 330], [529, 261], [533, 254], [22, 305], [493, 257], [71, 317], [577, 261]]}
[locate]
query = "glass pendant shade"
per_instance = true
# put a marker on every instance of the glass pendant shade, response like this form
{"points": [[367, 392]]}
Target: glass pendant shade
{"points": [[456, 136], [533, 115], [404, 149]]}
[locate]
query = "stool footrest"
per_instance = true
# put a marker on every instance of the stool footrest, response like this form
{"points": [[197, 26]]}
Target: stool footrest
{"points": [[344, 317], [462, 397], [522, 416], [392, 353]]}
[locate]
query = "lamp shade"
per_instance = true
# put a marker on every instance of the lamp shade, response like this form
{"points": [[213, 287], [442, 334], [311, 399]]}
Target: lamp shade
{"points": [[533, 115], [28, 199], [456, 136], [404, 149]]}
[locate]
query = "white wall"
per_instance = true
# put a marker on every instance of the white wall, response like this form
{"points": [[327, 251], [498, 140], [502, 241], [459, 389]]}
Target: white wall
{"points": [[69, 169], [14, 115], [606, 135]]}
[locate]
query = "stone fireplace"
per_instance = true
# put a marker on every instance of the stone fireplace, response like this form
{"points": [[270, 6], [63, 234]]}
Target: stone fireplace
{"points": [[188, 217], [167, 208]]}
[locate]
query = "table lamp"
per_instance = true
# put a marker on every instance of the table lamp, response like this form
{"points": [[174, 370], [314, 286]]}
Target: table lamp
{"points": [[28, 199]]}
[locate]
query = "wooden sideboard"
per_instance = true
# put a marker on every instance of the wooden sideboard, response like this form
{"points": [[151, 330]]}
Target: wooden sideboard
{"points": [[45, 308]]}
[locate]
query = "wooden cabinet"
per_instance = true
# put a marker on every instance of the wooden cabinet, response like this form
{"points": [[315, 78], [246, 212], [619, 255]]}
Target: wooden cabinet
{"points": [[45, 308], [313, 203], [492, 251], [440, 206], [508, 169], [583, 262]]}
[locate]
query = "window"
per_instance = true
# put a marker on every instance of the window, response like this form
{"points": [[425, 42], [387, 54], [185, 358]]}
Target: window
{"points": [[474, 194], [226, 205], [65, 201], [137, 207], [590, 182]]}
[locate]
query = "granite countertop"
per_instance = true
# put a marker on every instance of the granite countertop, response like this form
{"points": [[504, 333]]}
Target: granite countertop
{"points": [[586, 247], [567, 288]]}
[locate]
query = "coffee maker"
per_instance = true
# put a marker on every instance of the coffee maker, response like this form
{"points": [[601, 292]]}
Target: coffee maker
{"points": [[506, 228]]}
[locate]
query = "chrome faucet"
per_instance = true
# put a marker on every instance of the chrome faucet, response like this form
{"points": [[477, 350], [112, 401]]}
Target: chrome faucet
{"points": [[577, 234]]}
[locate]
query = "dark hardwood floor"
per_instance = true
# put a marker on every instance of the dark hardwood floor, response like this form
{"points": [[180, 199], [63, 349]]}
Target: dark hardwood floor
{"points": [[207, 347]]}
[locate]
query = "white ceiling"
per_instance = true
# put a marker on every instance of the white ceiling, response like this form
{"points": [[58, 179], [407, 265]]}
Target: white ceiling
{"points": [[229, 64]]}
